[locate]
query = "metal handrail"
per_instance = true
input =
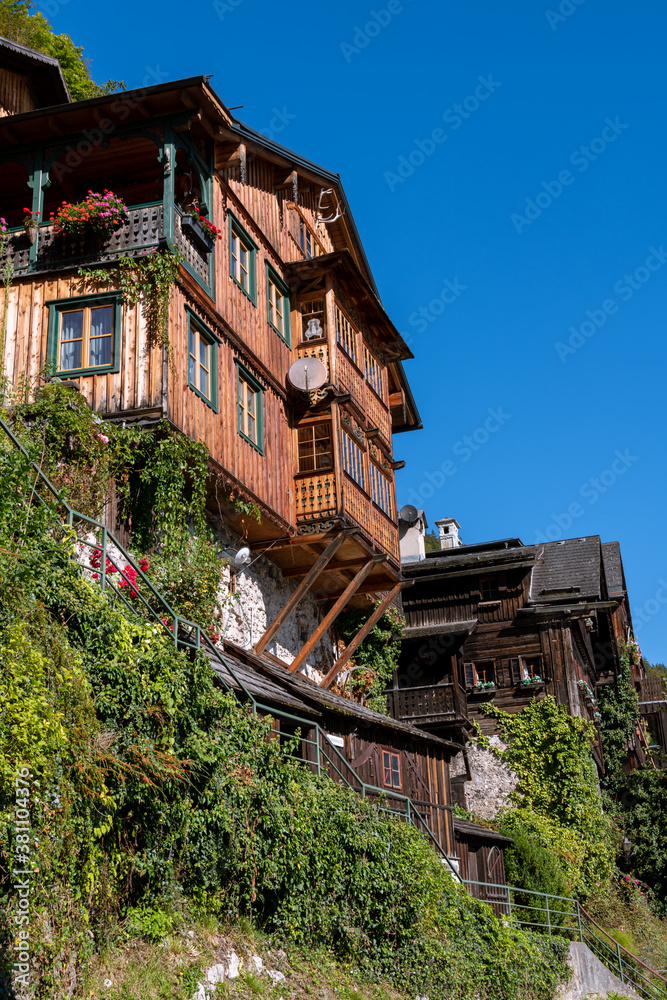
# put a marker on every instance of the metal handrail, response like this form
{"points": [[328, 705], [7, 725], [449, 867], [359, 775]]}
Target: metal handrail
{"points": [[182, 628], [648, 982]]}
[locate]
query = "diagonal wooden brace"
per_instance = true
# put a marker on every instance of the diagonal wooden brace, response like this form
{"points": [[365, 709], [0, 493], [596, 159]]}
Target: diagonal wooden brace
{"points": [[303, 587], [331, 616], [362, 633]]}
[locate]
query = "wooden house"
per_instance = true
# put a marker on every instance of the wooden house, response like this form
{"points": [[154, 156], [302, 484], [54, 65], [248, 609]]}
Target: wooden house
{"points": [[287, 285], [508, 622]]}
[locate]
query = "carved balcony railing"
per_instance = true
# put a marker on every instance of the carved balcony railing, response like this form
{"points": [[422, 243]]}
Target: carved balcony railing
{"points": [[385, 534], [378, 416], [143, 230], [349, 379], [315, 349], [316, 499], [428, 704]]}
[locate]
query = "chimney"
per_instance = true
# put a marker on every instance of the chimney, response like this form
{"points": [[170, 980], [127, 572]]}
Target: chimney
{"points": [[449, 529], [411, 530]]}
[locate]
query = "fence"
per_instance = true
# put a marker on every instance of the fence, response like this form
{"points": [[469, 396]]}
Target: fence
{"points": [[539, 911]]}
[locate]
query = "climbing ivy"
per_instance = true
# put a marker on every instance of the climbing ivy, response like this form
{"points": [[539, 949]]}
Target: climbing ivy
{"points": [[550, 752], [376, 659], [148, 279]]}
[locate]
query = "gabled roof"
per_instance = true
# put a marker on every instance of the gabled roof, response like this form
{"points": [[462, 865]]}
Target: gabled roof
{"points": [[45, 79], [568, 571]]}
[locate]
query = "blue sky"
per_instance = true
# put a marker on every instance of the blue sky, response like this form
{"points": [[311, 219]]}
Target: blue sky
{"points": [[541, 200]]}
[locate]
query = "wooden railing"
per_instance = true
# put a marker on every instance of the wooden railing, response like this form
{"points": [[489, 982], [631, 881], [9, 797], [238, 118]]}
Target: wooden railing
{"points": [[651, 689], [315, 497], [385, 534], [319, 349], [428, 703], [349, 379], [357, 506], [378, 415], [143, 230]]}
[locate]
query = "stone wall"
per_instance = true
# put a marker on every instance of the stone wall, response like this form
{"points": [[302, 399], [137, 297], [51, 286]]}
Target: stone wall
{"points": [[492, 782], [261, 591]]}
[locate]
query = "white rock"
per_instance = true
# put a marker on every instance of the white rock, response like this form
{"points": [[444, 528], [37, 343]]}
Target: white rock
{"points": [[191, 934], [275, 976], [233, 966], [202, 993], [216, 974], [257, 963]]}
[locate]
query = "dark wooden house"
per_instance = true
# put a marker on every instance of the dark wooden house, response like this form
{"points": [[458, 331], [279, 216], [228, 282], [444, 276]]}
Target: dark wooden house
{"points": [[509, 622]]}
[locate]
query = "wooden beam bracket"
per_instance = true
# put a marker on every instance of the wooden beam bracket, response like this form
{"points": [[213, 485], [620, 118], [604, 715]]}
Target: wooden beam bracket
{"points": [[362, 633], [304, 586]]}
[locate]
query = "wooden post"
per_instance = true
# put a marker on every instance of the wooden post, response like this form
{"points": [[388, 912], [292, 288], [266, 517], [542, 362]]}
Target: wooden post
{"points": [[304, 586], [361, 635], [351, 589]]}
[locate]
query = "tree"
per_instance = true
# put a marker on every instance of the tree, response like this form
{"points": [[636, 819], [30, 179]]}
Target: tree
{"points": [[34, 31]]}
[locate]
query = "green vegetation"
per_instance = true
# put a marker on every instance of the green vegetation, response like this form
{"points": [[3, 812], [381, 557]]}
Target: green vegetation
{"points": [[154, 794], [376, 659], [559, 806], [20, 22]]}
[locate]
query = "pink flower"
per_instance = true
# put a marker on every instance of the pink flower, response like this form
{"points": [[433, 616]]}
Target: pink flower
{"points": [[103, 438]]}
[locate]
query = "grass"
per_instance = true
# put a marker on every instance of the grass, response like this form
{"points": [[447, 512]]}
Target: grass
{"points": [[171, 969]]}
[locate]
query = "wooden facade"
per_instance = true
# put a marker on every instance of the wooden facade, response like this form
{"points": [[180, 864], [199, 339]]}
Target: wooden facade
{"points": [[289, 255], [512, 623]]}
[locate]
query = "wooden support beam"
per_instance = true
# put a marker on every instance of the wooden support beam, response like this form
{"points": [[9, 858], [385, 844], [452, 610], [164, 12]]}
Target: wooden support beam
{"points": [[361, 635], [303, 587], [334, 612], [335, 564]]}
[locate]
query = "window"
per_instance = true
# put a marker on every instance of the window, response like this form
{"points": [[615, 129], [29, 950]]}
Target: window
{"points": [[242, 258], [307, 241], [315, 450], [249, 395], [531, 668], [373, 372], [84, 334], [381, 491], [346, 335], [312, 320], [202, 361], [488, 589], [353, 459], [391, 769], [479, 675], [277, 298]]}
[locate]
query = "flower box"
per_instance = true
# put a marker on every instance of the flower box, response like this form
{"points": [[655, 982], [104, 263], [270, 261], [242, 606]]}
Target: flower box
{"points": [[193, 229]]}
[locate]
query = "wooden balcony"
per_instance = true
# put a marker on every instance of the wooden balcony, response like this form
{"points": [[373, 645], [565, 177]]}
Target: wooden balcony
{"points": [[651, 694], [429, 704], [144, 230]]}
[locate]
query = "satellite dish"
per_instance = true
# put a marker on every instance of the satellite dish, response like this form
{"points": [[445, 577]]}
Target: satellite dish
{"points": [[409, 514], [308, 374], [242, 557]]}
